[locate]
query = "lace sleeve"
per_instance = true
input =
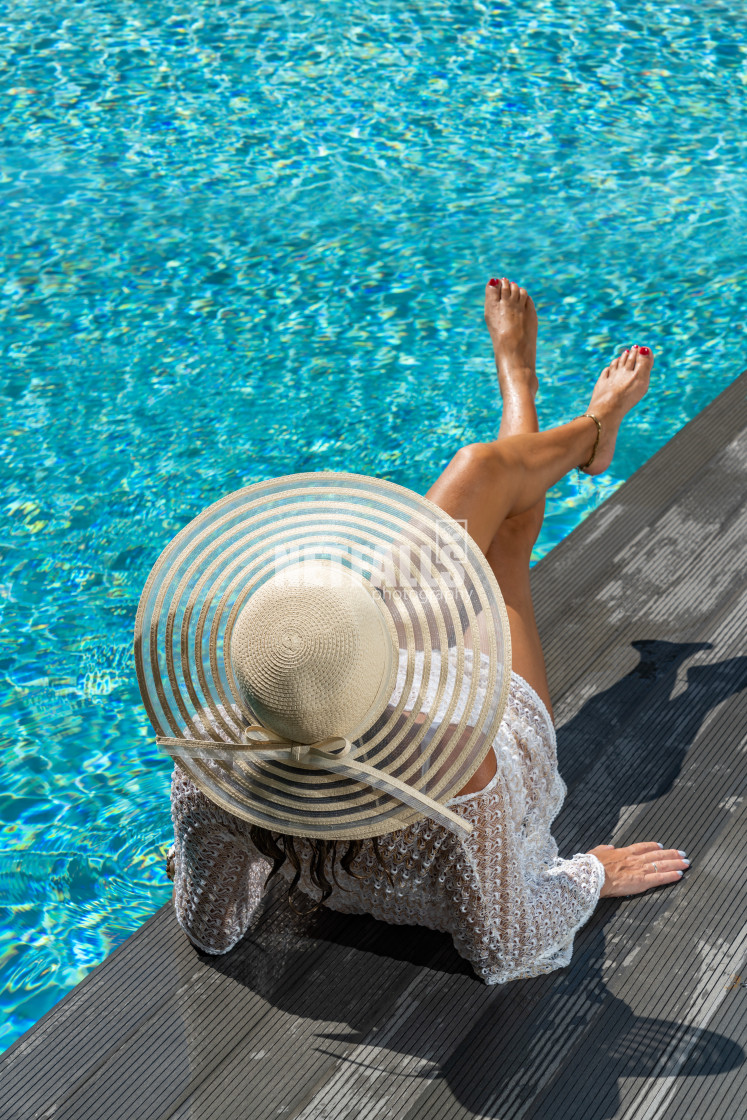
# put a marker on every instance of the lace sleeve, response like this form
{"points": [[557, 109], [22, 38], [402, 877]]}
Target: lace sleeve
{"points": [[518, 913], [218, 874]]}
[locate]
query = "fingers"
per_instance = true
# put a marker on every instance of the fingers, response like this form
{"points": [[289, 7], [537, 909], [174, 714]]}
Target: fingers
{"points": [[647, 883], [631, 882], [670, 877], [670, 867], [664, 866], [661, 878], [630, 870]]}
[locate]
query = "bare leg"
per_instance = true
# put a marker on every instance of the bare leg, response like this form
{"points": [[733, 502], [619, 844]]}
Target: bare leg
{"points": [[499, 488], [512, 322], [487, 482], [511, 319]]}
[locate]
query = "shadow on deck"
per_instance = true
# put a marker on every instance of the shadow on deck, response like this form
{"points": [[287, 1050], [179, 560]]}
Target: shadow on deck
{"points": [[643, 610]]}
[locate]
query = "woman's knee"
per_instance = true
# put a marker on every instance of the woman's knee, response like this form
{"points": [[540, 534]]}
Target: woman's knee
{"points": [[477, 459], [478, 488]]}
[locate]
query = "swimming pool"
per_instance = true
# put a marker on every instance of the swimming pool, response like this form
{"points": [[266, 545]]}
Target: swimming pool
{"points": [[242, 241]]}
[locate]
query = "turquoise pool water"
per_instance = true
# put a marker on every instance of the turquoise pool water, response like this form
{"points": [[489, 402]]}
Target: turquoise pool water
{"points": [[242, 240]]}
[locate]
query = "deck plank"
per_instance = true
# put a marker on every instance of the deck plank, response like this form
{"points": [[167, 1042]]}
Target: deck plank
{"points": [[642, 610]]}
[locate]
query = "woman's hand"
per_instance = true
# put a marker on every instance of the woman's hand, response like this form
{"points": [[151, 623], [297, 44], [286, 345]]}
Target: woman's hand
{"points": [[631, 870]]}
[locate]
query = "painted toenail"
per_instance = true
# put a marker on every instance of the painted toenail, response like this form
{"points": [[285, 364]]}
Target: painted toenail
{"points": [[493, 282], [643, 350]]}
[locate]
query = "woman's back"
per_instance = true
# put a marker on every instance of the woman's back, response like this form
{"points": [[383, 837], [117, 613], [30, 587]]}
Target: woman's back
{"points": [[510, 904]]}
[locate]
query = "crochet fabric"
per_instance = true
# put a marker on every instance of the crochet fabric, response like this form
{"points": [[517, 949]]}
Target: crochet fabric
{"points": [[511, 905]]}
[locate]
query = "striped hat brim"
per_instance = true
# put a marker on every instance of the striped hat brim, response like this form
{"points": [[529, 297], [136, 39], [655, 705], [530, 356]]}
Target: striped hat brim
{"points": [[441, 600]]}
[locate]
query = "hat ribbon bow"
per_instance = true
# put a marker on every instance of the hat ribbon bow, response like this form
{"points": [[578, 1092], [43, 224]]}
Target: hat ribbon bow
{"points": [[333, 754]]}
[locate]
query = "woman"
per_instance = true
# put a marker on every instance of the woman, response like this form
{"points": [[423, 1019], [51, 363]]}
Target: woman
{"points": [[497, 885]]}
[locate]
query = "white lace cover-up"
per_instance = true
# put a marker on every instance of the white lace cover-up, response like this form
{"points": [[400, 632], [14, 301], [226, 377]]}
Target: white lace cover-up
{"points": [[511, 905]]}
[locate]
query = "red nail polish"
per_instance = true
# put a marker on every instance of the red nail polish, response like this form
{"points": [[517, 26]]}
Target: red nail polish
{"points": [[493, 282], [643, 350]]}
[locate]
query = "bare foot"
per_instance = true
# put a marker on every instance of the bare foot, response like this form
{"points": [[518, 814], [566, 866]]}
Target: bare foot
{"points": [[514, 336], [511, 319], [621, 385]]}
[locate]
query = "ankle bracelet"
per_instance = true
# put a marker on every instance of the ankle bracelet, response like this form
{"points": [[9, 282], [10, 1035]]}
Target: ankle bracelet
{"points": [[591, 416]]}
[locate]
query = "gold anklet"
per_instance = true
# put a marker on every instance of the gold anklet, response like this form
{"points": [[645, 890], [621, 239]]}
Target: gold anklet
{"points": [[591, 416]]}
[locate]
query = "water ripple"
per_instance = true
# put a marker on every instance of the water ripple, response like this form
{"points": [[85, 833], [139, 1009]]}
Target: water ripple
{"points": [[246, 241]]}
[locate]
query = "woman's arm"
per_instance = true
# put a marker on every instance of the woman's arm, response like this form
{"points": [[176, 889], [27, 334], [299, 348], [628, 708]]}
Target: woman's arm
{"points": [[218, 874], [522, 906]]}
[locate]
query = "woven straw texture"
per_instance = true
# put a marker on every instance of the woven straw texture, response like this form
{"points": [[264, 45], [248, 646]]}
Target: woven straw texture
{"points": [[312, 653], [426, 580]]}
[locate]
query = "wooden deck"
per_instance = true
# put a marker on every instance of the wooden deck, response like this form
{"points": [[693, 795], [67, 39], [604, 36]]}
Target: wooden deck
{"points": [[643, 611]]}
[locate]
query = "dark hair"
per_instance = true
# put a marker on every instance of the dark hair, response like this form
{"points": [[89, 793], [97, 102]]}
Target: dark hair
{"points": [[278, 847]]}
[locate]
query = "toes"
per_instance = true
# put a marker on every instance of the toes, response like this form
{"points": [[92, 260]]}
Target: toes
{"points": [[635, 357], [626, 359], [511, 290], [508, 290]]}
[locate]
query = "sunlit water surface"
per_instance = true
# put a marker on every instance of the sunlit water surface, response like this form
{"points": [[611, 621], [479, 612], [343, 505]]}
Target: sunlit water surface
{"points": [[244, 240]]}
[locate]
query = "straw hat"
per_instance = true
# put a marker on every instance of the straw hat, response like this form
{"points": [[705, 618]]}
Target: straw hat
{"points": [[325, 655]]}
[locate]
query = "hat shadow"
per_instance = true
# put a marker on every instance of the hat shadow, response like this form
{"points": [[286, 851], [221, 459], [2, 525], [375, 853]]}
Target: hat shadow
{"points": [[347, 993]]}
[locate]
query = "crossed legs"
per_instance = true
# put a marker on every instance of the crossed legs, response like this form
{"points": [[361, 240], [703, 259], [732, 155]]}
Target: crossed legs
{"points": [[499, 488]]}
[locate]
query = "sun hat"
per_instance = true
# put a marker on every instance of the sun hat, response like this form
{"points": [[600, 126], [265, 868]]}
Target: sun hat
{"points": [[325, 654]]}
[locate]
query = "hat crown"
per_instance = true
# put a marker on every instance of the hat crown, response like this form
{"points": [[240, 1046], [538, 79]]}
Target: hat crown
{"points": [[441, 612], [312, 654]]}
